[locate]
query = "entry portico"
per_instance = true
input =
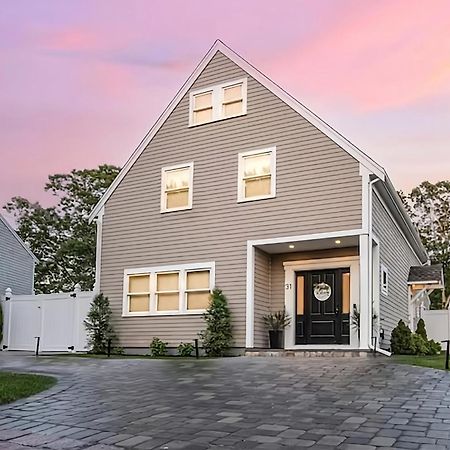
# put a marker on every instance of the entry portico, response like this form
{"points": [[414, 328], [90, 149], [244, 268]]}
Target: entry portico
{"points": [[321, 280]]}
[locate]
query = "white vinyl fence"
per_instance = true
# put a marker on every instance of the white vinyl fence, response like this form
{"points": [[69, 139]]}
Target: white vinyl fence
{"points": [[56, 318], [437, 323]]}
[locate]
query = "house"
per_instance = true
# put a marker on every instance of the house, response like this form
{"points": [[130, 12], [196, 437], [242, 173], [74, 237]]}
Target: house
{"points": [[238, 185], [16, 262]]}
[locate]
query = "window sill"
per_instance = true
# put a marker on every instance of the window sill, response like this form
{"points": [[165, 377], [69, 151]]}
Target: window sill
{"points": [[166, 313], [193, 125], [185, 208]]}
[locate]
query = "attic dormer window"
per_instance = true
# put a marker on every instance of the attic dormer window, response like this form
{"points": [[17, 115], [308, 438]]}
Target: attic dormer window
{"points": [[219, 102]]}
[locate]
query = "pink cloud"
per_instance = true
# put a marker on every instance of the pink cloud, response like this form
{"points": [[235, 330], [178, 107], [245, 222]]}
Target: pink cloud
{"points": [[387, 56]]}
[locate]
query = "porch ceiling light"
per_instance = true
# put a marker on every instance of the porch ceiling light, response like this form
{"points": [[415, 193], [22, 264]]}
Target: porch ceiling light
{"points": [[291, 246], [337, 241]]}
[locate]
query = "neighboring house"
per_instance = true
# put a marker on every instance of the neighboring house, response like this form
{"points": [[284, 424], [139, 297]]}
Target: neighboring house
{"points": [[16, 262], [240, 186]]}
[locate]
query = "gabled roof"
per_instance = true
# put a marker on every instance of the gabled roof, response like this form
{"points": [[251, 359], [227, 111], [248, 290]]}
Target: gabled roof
{"points": [[219, 46], [11, 229], [426, 275]]}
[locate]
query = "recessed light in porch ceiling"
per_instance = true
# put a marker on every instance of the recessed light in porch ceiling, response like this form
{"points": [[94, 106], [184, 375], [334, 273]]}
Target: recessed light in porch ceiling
{"points": [[337, 241], [291, 246]]}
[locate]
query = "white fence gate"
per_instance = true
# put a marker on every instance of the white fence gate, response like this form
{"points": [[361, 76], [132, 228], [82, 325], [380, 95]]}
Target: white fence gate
{"points": [[437, 323], [56, 318]]}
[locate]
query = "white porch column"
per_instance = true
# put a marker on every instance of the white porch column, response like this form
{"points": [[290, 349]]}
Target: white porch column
{"points": [[364, 295], [250, 301]]}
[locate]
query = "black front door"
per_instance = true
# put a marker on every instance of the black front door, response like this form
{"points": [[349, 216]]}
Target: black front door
{"points": [[323, 307]]}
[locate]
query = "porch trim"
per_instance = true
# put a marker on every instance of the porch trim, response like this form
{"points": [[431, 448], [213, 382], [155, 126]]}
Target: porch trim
{"points": [[313, 264]]}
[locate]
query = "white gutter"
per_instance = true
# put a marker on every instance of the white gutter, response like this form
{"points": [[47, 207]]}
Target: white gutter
{"points": [[370, 278]]}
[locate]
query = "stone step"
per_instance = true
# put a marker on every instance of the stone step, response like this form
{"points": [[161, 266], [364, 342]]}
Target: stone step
{"points": [[308, 353]]}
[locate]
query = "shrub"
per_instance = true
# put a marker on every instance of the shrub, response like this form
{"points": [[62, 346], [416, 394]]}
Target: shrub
{"points": [[434, 348], [401, 341], [158, 348], [185, 349], [118, 351], [217, 336], [421, 330], [419, 346], [98, 324]]}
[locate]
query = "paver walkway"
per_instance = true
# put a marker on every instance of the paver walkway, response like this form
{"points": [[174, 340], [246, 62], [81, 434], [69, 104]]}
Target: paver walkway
{"points": [[239, 403]]}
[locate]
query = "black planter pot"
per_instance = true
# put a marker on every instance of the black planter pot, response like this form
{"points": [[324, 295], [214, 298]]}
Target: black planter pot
{"points": [[276, 338]]}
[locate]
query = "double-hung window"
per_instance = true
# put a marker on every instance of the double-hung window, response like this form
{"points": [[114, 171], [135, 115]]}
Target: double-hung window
{"points": [[176, 187], [177, 289], [257, 174], [218, 102]]}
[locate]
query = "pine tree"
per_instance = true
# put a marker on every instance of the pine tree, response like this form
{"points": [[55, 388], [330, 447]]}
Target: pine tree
{"points": [[217, 337], [98, 324], [421, 330], [401, 339]]}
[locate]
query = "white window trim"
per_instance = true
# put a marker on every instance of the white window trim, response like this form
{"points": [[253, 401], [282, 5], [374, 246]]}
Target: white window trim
{"points": [[273, 173], [182, 269], [384, 286], [166, 169], [217, 101]]}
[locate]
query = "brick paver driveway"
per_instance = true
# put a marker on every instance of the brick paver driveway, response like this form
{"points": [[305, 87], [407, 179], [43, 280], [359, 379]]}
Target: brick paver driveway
{"points": [[264, 403]]}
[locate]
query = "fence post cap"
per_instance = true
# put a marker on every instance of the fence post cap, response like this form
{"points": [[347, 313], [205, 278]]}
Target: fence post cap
{"points": [[8, 293], [77, 287]]}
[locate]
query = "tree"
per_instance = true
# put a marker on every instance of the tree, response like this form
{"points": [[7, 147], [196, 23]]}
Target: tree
{"points": [[421, 330], [217, 336], [429, 207], [98, 324], [60, 236]]}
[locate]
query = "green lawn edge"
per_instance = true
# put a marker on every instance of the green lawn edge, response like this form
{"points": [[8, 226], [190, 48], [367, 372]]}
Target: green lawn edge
{"points": [[14, 386], [432, 362]]}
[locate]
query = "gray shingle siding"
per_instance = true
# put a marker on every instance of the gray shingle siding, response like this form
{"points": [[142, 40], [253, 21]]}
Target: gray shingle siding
{"points": [[16, 264], [398, 257]]}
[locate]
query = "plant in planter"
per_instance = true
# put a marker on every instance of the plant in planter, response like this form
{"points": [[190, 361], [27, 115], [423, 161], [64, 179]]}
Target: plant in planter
{"points": [[276, 323]]}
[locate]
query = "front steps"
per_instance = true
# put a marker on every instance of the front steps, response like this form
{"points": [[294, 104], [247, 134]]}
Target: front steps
{"points": [[308, 353]]}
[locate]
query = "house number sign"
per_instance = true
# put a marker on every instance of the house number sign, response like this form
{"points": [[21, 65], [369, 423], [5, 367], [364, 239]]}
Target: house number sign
{"points": [[322, 291]]}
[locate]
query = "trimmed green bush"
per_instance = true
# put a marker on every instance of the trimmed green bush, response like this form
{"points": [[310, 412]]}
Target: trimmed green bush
{"points": [[217, 336], [401, 341], [421, 330], [404, 342], [158, 348], [185, 350], [98, 325], [419, 346], [434, 348]]}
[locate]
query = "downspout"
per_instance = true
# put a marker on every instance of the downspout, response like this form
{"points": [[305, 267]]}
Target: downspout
{"points": [[370, 280]]}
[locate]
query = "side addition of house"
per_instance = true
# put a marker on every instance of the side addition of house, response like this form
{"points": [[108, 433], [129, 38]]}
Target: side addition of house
{"points": [[16, 262], [240, 186]]}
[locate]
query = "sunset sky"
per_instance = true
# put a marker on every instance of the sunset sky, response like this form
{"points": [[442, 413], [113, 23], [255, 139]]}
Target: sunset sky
{"points": [[83, 81]]}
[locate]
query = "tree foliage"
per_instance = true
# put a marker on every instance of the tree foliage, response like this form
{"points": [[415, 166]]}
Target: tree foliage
{"points": [[429, 207], [98, 325], [60, 236], [217, 336]]}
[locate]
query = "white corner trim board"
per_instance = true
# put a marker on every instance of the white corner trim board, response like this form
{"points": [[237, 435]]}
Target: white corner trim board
{"points": [[219, 46]]}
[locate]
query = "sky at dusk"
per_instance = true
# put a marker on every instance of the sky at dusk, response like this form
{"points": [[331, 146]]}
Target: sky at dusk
{"points": [[83, 81]]}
